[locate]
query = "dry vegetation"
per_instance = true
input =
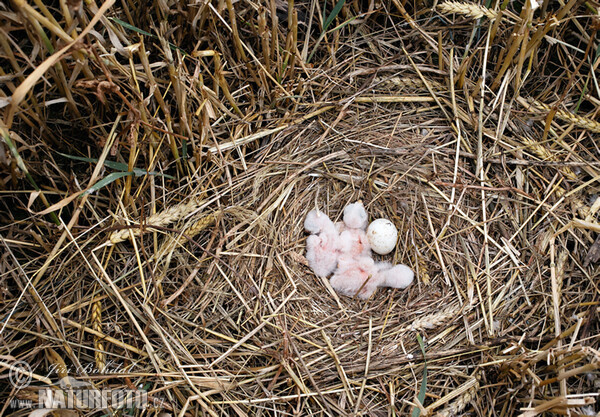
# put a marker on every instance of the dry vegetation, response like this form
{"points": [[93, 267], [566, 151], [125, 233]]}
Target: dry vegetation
{"points": [[158, 158]]}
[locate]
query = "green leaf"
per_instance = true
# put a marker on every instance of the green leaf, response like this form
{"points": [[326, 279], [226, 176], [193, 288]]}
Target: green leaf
{"points": [[110, 178], [143, 32], [416, 411], [318, 42], [184, 153], [584, 91], [130, 27], [111, 164], [336, 10], [119, 166]]}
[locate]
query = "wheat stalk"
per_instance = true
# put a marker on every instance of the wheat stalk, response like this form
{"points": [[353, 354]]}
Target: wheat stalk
{"points": [[433, 320], [578, 204], [197, 227], [459, 405], [423, 269], [560, 269], [163, 218], [475, 11], [189, 232], [579, 121], [98, 344]]}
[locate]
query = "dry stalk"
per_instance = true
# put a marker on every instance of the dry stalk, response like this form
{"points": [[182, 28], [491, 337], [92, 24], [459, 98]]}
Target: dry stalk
{"points": [[423, 269], [239, 322], [458, 405]]}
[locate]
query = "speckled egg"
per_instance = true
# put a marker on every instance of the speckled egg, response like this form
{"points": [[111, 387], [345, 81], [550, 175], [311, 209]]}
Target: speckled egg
{"points": [[382, 235]]}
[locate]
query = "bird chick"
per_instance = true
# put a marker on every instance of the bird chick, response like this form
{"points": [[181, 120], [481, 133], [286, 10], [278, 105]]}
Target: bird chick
{"points": [[356, 276], [316, 221], [360, 276], [340, 227], [354, 242], [353, 238], [398, 276], [344, 250], [322, 246], [355, 216]]}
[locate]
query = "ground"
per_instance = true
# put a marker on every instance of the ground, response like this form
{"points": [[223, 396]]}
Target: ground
{"points": [[158, 161]]}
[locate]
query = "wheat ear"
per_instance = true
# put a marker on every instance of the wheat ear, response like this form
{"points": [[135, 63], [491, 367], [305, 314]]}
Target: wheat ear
{"points": [[456, 407], [475, 11], [582, 209], [580, 121], [98, 343], [198, 226], [189, 232], [433, 320], [423, 269], [164, 218]]}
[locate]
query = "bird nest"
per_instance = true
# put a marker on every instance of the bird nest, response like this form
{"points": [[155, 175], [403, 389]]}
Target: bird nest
{"points": [[159, 163]]}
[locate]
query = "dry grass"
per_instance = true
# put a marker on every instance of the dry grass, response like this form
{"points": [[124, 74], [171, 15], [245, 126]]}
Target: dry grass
{"points": [[158, 160]]}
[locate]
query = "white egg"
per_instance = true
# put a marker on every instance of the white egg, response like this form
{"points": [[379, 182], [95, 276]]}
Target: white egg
{"points": [[382, 235]]}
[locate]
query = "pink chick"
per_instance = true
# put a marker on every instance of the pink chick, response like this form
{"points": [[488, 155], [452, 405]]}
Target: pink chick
{"points": [[353, 239], [355, 216], [356, 276], [322, 245], [398, 276], [316, 222], [340, 226], [355, 242]]}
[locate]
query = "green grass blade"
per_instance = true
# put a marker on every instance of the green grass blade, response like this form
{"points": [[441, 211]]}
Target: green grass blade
{"points": [[118, 166], [336, 10], [143, 32], [130, 27], [184, 150], [416, 411], [338, 27], [110, 178]]}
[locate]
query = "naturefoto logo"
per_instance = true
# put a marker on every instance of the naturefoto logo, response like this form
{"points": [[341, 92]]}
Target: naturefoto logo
{"points": [[20, 374], [82, 395], [71, 393]]}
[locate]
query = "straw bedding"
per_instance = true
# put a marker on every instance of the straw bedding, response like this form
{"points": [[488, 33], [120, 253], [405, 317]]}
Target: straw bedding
{"points": [[190, 275]]}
